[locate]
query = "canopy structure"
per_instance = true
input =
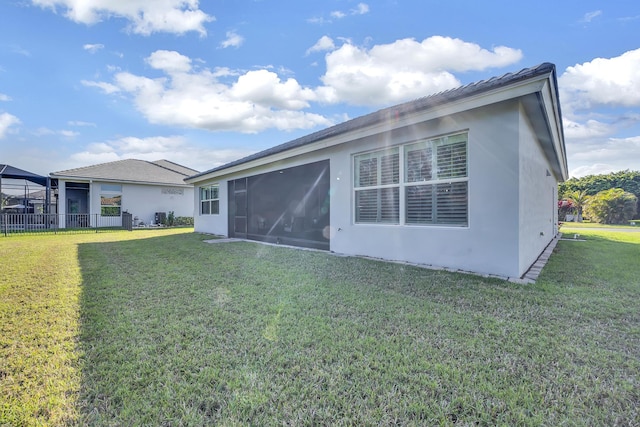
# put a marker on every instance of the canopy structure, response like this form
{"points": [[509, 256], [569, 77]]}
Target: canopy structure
{"points": [[12, 172]]}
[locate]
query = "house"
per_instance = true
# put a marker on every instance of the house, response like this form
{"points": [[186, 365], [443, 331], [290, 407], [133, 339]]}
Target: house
{"points": [[464, 179], [99, 194]]}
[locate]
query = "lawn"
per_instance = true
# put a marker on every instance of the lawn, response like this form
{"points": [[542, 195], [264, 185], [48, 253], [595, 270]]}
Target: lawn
{"points": [[159, 328]]}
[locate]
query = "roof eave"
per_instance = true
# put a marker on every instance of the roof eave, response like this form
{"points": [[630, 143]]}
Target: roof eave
{"points": [[511, 91], [111, 180]]}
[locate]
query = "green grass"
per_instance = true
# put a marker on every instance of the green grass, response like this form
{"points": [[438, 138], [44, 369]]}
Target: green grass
{"points": [[596, 225], [153, 328]]}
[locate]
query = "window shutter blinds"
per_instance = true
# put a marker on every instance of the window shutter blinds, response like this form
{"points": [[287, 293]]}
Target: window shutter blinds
{"points": [[452, 205], [418, 165], [419, 200], [368, 172], [452, 160], [389, 204], [390, 169], [367, 205]]}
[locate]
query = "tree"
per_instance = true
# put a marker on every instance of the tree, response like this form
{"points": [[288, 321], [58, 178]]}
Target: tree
{"points": [[629, 181], [613, 206], [579, 199]]}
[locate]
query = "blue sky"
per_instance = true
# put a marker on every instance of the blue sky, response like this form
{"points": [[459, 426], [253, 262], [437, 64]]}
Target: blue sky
{"points": [[203, 83]]}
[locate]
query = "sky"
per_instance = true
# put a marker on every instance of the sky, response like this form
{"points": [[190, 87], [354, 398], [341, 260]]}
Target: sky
{"points": [[202, 83]]}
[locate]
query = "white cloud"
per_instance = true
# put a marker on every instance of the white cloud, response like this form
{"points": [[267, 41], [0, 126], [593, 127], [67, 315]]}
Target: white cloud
{"points": [[174, 148], [213, 100], [361, 9], [589, 129], [602, 82], [323, 44], [169, 61], [232, 40], [68, 133], [6, 122], [47, 132], [4, 97], [80, 123], [589, 16], [93, 48], [106, 87], [405, 69], [253, 101], [265, 88], [600, 98], [603, 155], [594, 169], [145, 17]]}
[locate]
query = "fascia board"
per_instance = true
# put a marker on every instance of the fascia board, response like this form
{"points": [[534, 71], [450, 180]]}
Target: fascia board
{"points": [[465, 104], [550, 102], [117, 181], [543, 112]]}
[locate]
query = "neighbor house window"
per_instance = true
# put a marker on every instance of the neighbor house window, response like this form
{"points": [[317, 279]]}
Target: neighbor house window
{"points": [[110, 199], [209, 200], [433, 189], [110, 204]]}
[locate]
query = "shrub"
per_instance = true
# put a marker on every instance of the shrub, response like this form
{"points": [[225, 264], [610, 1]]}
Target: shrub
{"points": [[183, 221], [613, 206]]}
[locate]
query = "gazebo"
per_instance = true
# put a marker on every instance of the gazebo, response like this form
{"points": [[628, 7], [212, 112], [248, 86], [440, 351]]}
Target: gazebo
{"points": [[12, 172]]}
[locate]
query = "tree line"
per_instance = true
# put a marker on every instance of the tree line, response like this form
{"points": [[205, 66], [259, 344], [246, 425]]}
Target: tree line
{"points": [[609, 198]]}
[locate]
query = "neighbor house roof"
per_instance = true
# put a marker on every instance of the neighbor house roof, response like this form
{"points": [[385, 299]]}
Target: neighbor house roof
{"points": [[161, 172], [432, 102]]}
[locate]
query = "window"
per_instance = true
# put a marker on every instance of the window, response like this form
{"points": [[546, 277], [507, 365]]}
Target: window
{"points": [[377, 189], [110, 204], [115, 188], [209, 200], [434, 188]]}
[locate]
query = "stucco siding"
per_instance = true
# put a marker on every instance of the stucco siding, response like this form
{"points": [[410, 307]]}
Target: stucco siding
{"points": [[143, 201], [495, 219], [537, 198], [211, 223], [488, 244]]}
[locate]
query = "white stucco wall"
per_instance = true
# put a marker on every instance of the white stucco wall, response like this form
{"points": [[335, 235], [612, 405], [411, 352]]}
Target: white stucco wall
{"points": [[488, 245], [212, 223], [537, 198], [143, 201]]}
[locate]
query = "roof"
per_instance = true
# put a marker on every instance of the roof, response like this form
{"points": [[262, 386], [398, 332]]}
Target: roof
{"points": [[161, 172], [398, 111], [175, 167], [11, 172]]}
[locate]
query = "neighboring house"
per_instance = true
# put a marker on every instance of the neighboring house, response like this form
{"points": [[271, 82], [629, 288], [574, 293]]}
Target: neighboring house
{"points": [[106, 190], [464, 179]]}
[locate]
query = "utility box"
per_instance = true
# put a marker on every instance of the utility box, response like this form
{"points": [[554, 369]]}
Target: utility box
{"points": [[127, 221], [161, 218]]}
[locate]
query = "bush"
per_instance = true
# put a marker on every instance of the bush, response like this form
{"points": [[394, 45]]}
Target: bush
{"points": [[183, 221], [613, 206]]}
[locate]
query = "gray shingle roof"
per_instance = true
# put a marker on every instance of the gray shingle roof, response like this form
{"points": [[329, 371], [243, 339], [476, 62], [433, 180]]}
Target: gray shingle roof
{"points": [[132, 170], [183, 170], [400, 110]]}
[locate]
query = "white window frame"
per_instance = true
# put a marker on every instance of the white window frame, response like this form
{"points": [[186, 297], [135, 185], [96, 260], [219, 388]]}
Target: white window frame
{"points": [[209, 199], [447, 186], [380, 190]]}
